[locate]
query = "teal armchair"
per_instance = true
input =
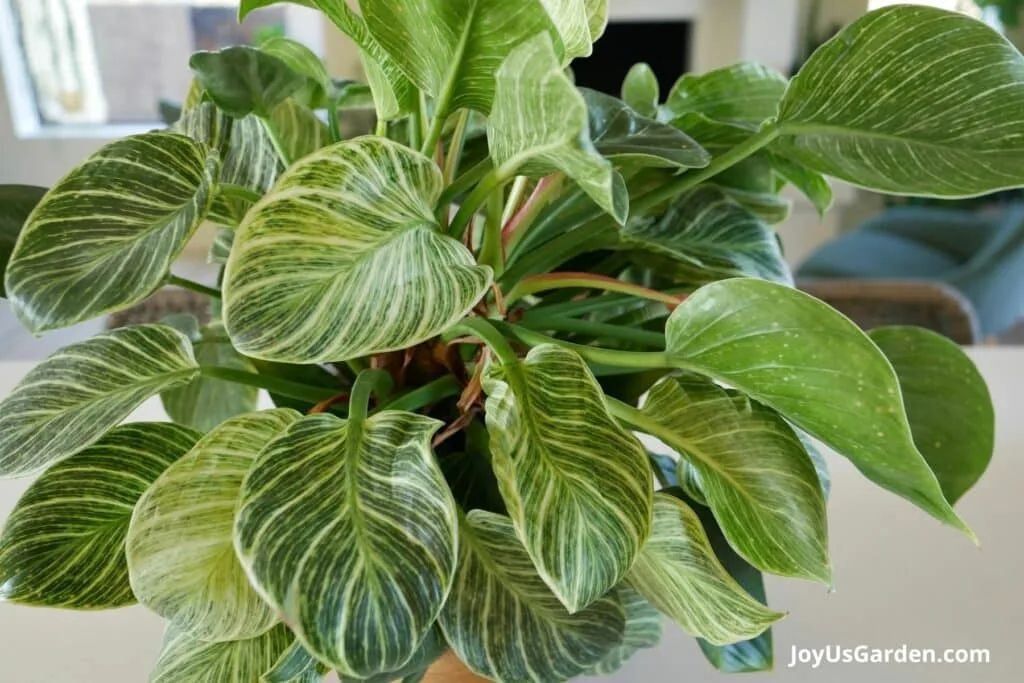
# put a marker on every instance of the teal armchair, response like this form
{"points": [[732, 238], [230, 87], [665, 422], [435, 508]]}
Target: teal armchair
{"points": [[980, 255]]}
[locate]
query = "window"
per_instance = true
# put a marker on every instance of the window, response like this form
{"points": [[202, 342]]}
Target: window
{"points": [[75, 65]]}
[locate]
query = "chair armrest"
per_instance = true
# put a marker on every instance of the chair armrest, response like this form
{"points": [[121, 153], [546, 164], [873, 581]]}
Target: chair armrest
{"points": [[880, 303]]}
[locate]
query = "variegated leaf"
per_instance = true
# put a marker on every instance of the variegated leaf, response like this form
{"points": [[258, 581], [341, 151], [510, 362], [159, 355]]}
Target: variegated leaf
{"points": [[393, 92], [105, 236], [72, 398], [525, 635], [641, 90], [184, 657], [430, 650], [244, 80], [16, 204], [577, 485], [766, 206], [706, 236], [643, 630], [770, 507], [296, 665], [63, 545], [180, 545], [540, 125], [678, 572], [579, 23], [802, 358], [376, 274], [622, 134], [452, 48], [302, 60], [597, 17], [220, 250], [744, 93], [300, 131], [328, 534], [911, 100], [204, 403], [948, 405]]}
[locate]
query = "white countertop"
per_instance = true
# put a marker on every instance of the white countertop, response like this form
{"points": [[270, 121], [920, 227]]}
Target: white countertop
{"points": [[901, 579]]}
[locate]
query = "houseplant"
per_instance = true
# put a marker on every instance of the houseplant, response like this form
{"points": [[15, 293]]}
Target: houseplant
{"points": [[464, 319]]}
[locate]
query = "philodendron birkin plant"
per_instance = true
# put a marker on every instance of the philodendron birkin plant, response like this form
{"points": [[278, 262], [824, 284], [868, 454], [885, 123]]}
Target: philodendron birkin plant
{"points": [[465, 320]]}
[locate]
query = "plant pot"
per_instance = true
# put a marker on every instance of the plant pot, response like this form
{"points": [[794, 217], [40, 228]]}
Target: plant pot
{"points": [[449, 669]]}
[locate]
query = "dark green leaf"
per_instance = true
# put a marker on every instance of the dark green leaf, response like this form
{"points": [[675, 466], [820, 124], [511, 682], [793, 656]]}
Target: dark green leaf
{"points": [[16, 203], [705, 236], [948, 404], [63, 545], [622, 134], [244, 80], [643, 630], [744, 93]]}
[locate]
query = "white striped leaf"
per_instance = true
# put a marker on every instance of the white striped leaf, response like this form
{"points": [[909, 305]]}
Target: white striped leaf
{"points": [[186, 659], [296, 665], [948, 405], [706, 236], [752, 470], [579, 22], [911, 100], [430, 650], [677, 570], [205, 402], [248, 156], [641, 90], [376, 274], [220, 250], [746, 93], [63, 544], [622, 134], [300, 131], [302, 60], [72, 398], [540, 125], [393, 92], [577, 485], [452, 49], [525, 635], [643, 630], [766, 206], [180, 546], [800, 357], [104, 237], [598, 15], [243, 80], [348, 529], [16, 204]]}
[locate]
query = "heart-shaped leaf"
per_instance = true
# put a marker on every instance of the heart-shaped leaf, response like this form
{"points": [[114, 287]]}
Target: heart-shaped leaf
{"points": [[622, 134], [911, 100], [72, 398], [63, 545], [244, 80], [304, 61], [105, 236], [744, 93], [204, 403], [394, 94], [540, 125], [249, 159], [641, 90], [770, 507], [16, 204], [376, 274], [705, 236], [643, 631], [325, 513], [577, 485], [810, 363], [678, 572], [452, 48], [183, 657], [948, 405], [494, 569], [181, 546]]}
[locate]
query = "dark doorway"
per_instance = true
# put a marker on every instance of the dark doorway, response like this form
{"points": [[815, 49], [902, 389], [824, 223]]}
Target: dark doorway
{"points": [[665, 45]]}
